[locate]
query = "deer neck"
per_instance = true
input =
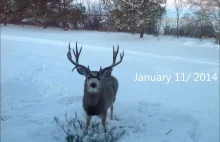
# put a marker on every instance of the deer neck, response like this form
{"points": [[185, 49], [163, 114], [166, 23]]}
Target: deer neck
{"points": [[91, 99]]}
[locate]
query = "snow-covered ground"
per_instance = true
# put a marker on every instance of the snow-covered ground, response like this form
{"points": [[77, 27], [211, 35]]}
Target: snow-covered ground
{"points": [[37, 84]]}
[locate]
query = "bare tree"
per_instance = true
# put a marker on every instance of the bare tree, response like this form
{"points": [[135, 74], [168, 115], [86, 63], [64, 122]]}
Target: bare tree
{"points": [[178, 4], [88, 3], [166, 24], [100, 7], [211, 10]]}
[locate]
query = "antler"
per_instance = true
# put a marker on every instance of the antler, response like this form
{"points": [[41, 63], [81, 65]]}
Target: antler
{"points": [[115, 53], [76, 54]]}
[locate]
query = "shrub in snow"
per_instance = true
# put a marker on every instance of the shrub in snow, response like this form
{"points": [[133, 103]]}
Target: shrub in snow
{"points": [[74, 129]]}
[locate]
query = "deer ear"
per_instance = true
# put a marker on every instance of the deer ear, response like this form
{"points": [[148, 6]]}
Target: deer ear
{"points": [[107, 72], [81, 71]]}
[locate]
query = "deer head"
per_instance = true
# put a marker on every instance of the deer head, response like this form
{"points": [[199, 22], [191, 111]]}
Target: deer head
{"points": [[93, 78]]}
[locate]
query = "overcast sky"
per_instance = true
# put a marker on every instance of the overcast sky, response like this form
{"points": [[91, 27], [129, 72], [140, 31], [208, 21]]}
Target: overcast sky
{"points": [[170, 3], [170, 8]]}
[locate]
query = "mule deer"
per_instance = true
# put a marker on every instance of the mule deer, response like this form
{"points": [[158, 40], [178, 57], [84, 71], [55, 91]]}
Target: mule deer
{"points": [[100, 87]]}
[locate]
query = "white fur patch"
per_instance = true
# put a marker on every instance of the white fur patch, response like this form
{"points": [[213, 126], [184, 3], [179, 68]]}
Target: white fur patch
{"points": [[93, 90], [90, 89]]}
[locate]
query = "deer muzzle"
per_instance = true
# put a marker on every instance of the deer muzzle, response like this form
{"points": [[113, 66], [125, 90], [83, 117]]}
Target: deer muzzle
{"points": [[93, 85]]}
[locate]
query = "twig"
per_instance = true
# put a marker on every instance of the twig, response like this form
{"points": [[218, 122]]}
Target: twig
{"points": [[109, 134], [56, 138], [66, 117], [78, 121], [169, 131], [56, 120], [74, 125]]}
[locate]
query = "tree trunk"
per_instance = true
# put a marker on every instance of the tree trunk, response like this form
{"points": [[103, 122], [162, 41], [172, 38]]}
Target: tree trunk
{"points": [[132, 30], [142, 32], [5, 21], [65, 26], [45, 26], [217, 38], [177, 25]]}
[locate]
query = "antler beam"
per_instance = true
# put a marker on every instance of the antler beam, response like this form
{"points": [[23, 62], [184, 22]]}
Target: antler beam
{"points": [[76, 54]]}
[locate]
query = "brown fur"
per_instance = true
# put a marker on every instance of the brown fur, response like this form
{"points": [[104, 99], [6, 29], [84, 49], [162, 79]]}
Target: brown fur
{"points": [[98, 103]]}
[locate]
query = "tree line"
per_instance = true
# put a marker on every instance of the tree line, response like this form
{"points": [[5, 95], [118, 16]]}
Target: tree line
{"points": [[110, 15], [134, 16], [200, 19], [46, 13]]}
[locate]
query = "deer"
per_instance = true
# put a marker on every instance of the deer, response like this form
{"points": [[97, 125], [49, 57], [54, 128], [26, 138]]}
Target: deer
{"points": [[100, 87]]}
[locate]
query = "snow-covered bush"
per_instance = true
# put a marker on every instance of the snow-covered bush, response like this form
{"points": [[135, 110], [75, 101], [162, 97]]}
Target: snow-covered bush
{"points": [[75, 131]]}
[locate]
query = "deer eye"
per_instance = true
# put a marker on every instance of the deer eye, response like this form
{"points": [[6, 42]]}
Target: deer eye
{"points": [[88, 77]]}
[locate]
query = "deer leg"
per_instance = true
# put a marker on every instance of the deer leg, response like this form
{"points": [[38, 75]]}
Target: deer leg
{"points": [[111, 112], [88, 120], [103, 118]]}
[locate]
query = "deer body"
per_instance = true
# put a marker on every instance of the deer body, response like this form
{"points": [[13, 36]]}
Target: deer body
{"points": [[99, 102], [100, 87]]}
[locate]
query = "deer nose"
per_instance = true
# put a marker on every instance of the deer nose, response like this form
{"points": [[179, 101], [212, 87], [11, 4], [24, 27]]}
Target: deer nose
{"points": [[93, 85]]}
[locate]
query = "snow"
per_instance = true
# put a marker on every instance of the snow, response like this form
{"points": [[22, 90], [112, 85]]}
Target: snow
{"points": [[37, 84]]}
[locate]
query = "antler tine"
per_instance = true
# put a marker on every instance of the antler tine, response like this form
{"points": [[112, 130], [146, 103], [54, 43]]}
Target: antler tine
{"points": [[121, 58], [115, 53], [77, 54], [74, 52], [73, 68], [69, 53], [80, 50], [76, 49]]}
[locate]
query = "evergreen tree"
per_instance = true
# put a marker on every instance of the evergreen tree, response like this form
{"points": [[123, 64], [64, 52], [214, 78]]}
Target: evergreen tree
{"points": [[138, 15], [5, 11], [20, 8]]}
